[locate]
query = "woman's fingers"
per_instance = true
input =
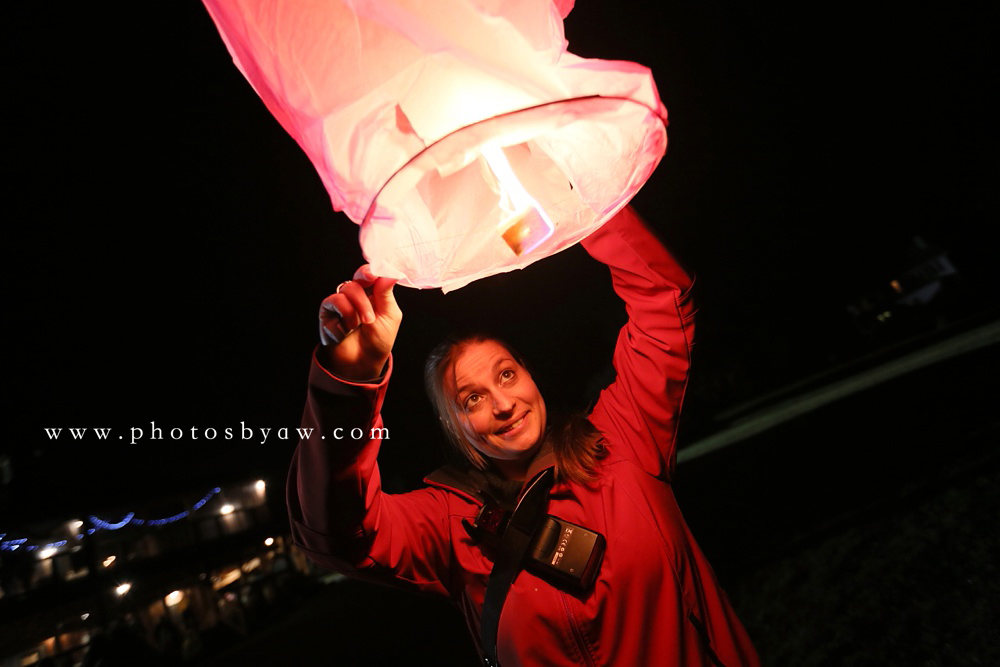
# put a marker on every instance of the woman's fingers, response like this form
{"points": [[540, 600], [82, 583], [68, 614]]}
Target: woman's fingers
{"points": [[378, 289], [337, 318], [383, 299], [360, 304], [365, 303], [352, 305], [364, 275], [332, 332], [339, 307]]}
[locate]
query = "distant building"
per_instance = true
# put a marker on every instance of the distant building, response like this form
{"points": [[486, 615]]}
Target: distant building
{"points": [[928, 271], [160, 581]]}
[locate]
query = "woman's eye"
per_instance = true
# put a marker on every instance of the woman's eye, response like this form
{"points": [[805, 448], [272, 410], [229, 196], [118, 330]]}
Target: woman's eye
{"points": [[506, 375], [471, 401]]}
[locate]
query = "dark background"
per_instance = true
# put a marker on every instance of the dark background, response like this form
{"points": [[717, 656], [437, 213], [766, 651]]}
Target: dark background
{"points": [[168, 244]]}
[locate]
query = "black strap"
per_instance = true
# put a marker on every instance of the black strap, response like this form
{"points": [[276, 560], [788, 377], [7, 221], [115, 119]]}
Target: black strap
{"points": [[523, 523]]}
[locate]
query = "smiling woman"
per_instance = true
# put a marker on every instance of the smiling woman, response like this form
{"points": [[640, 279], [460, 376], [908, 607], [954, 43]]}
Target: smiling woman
{"points": [[570, 529], [489, 403], [516, 422]]}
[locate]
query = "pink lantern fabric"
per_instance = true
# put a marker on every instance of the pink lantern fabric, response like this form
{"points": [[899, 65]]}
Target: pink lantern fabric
{"points": [[461, 135]]}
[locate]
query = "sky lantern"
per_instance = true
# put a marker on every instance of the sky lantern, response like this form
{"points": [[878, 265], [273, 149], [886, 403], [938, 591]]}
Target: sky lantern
{"points": [[461, 135]]}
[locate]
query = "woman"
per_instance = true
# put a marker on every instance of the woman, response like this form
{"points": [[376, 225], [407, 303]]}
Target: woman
{"points": [[655, 600]]}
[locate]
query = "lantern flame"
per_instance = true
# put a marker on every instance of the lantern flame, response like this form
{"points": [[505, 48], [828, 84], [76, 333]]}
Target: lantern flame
{"points": [[527, 224]]}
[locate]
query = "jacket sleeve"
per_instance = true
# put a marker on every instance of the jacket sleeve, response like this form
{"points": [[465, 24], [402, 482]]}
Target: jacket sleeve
{"points": [[339, 515], [639, 410]]}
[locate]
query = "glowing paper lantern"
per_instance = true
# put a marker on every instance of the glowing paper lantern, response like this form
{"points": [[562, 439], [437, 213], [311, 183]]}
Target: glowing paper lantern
{"points": [[460, 134]]}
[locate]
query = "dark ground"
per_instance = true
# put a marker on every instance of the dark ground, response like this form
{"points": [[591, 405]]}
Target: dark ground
{"points": [[857, 535], [912, 586]]}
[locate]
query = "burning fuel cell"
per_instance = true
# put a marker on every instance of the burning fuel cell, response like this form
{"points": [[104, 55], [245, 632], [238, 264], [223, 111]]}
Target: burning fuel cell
{"points": [[530, 225], [528, 229]]}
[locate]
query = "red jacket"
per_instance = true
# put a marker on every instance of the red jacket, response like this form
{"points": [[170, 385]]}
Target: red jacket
{"points": [[656, 600]]}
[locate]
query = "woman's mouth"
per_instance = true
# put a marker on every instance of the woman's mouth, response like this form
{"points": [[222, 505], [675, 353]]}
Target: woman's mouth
{"points": [[513, 427]]}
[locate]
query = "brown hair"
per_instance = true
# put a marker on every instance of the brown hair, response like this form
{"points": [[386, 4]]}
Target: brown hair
{"points": [[576, 443]]}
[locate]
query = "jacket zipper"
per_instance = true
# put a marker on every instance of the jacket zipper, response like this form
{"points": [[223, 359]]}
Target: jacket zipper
{"points": [[581, 641]]}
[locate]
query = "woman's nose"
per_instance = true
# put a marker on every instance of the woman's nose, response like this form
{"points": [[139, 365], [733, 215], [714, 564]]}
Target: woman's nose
{"points": [[502, 403]]}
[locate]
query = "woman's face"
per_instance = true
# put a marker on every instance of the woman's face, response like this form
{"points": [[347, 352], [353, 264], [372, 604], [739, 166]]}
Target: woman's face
{"points": [[498, 403]]}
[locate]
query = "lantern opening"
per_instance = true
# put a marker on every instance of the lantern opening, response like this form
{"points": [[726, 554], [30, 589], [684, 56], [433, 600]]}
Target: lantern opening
{"points": [[527, 174]]}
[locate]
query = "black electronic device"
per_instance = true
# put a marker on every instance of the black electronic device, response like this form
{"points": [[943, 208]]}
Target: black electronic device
{"points": [[562, 551]]}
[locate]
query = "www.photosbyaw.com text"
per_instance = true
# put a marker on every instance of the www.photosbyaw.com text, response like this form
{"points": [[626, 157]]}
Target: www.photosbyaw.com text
{"points": [[136, 434]]}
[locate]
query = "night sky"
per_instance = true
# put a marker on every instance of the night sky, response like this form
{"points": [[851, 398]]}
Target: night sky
{"points": [[168, 243]]}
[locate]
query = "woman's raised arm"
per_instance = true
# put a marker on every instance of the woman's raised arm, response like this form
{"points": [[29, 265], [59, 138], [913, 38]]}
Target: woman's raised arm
{"points": [[339, 515], [652, 355]]}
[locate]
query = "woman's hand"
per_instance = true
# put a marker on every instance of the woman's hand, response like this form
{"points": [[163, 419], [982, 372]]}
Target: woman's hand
{"points": [[358, 326]]}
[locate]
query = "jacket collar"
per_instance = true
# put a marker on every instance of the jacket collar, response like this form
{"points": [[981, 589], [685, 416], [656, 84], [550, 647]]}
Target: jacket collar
{"points": [[471, 483]]}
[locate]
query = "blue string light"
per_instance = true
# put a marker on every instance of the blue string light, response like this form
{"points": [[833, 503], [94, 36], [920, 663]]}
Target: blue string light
{"points": [[169, 519], [103, 524], [198, 505], [12, 545]]}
